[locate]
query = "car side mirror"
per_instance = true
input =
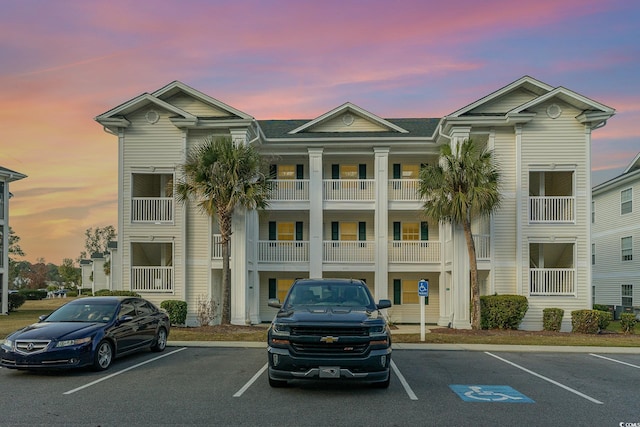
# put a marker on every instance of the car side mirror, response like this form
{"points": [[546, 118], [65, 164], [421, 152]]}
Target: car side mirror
{"points": [[383, 303], [274, 302], [44, 316], [124, 319]]}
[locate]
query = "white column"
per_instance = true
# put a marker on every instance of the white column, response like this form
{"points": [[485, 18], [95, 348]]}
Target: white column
{"points": [[238, 267], [381, 219], [315, 212]]}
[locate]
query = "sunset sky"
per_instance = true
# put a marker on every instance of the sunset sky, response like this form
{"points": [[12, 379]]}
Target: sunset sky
{"points": [[64, 62]]}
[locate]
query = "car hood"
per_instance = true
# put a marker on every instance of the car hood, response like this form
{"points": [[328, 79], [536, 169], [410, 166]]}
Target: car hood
{"points": [[55, 330], [329, 314]]}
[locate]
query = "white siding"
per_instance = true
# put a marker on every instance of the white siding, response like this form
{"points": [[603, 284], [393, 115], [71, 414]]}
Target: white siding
{"points": [[337, 124]]}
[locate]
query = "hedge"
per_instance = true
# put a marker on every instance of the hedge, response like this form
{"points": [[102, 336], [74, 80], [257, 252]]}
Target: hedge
{"points": [[589, 321], [502, 311], [552, 319], [177, 311], [628, 323]]}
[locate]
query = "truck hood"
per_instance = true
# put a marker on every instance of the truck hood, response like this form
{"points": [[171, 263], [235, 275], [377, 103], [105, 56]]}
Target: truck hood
{"points": [[329, 315]]}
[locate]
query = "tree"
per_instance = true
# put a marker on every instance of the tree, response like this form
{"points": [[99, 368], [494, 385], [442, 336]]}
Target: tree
{"points": [[69, 274], [14, 251], [97, 240], [461, 187], [221, 175], [38, 275]]}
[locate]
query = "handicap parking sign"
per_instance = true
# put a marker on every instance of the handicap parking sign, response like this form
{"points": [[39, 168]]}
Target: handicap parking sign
{"points": [[489, 393], [423, 288]]}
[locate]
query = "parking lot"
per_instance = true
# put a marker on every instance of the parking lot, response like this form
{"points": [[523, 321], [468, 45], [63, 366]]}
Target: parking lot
{"points": [[228, 386]]}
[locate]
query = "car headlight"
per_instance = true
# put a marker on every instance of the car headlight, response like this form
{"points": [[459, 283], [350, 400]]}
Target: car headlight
{"points": [[7, 343], [67, 343], [281, 329]]}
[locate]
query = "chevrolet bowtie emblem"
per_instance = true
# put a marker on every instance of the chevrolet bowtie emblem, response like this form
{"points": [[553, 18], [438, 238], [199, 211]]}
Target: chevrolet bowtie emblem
{"points": [[329, 339]]}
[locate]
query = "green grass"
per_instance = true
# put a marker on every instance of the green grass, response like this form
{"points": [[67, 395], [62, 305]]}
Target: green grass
{"points": [[31, 310]]}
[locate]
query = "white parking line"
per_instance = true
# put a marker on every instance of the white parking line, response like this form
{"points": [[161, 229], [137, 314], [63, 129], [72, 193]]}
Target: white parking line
{"points": [[123, 371], [591, 399], [614, 360], [404, 382], [251, 381]]}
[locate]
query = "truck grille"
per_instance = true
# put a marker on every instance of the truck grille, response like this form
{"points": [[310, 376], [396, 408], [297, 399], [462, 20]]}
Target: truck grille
{"points": [[320, 331], [333, 350]]}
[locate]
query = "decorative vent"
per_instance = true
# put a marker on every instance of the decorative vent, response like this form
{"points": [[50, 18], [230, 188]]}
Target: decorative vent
{"points": [[152, 116], [554, 111]]}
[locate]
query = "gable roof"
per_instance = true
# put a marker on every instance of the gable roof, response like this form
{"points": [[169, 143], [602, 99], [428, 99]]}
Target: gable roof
{"points": [[634, 165], [348, 107], [10, 175]]}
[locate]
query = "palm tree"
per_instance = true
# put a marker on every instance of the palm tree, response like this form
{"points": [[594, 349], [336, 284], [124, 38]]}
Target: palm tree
{"points": [[461, 187], [222, 175]]}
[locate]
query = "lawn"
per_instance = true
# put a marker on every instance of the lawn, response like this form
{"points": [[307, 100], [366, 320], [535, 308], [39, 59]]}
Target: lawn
{"points": [[31, 310]]}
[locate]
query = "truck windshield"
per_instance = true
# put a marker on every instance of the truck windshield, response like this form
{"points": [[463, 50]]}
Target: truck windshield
{"points": [[329, 294]]}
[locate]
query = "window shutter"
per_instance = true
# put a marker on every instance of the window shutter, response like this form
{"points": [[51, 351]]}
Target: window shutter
{"points": [[396, 230], [335, 230], [273, 288], [397, 174], [362, 171], [335, 171], [272, 230], [362, 230], [299, 171], [424, 230], [273, 171], [397, 292], [298, 230]]}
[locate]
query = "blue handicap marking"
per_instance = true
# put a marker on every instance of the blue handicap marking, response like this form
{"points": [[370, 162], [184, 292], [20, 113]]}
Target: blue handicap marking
{"points": [[489, 393]]}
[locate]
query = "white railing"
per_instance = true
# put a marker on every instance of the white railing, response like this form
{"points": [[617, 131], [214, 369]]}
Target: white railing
{"points": [[152, 279], [552, 281], [151, 209], [290, 190], [552, 209], [216, 247], [341, 251], [482, 243], [283, 251], [348, 190], [404, 190], [423, 251]]}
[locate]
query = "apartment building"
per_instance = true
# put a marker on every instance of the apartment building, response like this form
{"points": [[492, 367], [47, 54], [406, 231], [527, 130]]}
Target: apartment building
{"points": [[615, 240], [345, 203]]}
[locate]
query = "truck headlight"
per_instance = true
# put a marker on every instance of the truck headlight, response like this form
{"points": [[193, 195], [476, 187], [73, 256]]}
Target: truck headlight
{"points": [[281, 329]]}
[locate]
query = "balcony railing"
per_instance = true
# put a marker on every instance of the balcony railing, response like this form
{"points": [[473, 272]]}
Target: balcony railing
{"points": [[283, 251], [423, 251], [152, 279], [152, 209], [341, 251], [482, 243], [348, 190], [216, 247], [552, 281], [404, 190], [552, 209], [290, 190]]}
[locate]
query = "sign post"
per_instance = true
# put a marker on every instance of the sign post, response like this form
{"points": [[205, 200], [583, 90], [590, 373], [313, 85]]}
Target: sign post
{"points": [[423, 292]]}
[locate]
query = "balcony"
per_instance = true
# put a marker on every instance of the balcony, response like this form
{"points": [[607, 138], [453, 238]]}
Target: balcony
{"points": [[341, 251], [482, 242], [552, 209], [152, 279], [424, 251], [152, 209], [404, 190], [287, 190], [349, 190], [273, 251], [552, 281]]}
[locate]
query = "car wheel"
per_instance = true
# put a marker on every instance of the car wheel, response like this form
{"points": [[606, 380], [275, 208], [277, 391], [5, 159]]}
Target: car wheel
{"points": [[160, 342], [383, 384], [277, 383], [103, 356]]}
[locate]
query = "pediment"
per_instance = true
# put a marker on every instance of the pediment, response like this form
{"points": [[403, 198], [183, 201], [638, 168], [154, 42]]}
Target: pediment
{"points": [[347, 118]]}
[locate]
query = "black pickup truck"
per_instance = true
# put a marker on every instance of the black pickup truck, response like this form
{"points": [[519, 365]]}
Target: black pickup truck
{"points": [[329, 329]]}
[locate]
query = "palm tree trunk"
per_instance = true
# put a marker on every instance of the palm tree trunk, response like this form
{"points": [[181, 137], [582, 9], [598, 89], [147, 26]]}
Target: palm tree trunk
{"points": [[473, 267], [225, 237]]}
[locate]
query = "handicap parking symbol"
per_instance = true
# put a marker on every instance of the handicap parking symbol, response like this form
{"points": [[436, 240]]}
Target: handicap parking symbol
{"points": [[489, 393]]}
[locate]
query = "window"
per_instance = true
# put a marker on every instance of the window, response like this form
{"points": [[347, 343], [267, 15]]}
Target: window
{"points": [[593, 212], [593, 254], [626, 244], [627, 296], [286, 172], [411, 231], [626, 201], [406, 292], [285, 231], [278, 288]]}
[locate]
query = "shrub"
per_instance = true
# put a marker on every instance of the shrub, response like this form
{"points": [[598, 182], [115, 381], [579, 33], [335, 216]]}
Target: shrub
{"points": [[604, 318], [207, 310], [33, 294], [14, 301], [107, 293], [552, 319], [585, 321], [502, 311], [628, 322], [177, 311]]}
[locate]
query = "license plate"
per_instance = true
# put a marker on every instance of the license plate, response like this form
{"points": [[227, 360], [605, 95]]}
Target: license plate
{"points": [[329, 372]]}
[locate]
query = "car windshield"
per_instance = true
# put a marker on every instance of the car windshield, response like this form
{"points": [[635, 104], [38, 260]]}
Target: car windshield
{"points": [[101, 312], [329, 294]]}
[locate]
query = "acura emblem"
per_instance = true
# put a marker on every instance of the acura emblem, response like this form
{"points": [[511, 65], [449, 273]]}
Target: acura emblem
{"points": [[30, 346], [329, 339]]}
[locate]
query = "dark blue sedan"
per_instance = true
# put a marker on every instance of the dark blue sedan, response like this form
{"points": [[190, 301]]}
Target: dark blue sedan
{"points": [[90, 331]]}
